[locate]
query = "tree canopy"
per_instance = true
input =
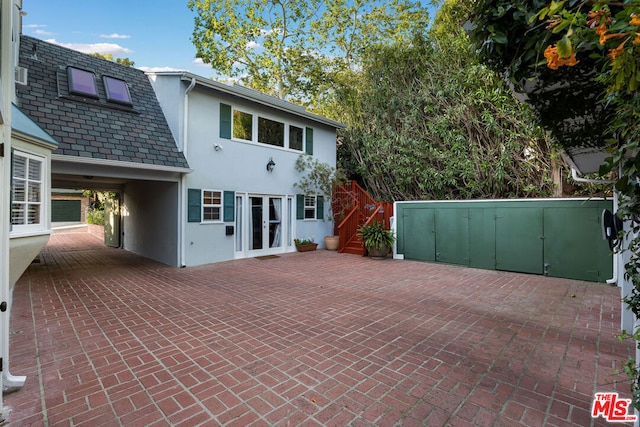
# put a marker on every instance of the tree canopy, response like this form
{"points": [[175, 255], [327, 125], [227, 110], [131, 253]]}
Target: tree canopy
{"points": [[109, 57], [428, 121], [295, 48]]}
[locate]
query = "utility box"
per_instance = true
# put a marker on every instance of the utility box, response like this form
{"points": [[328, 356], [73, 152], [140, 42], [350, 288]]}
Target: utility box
{"points": [[554, 237]]}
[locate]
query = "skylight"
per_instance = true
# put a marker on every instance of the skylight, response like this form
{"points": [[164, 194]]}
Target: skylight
{"points": [[82, 82], [117, 90]]}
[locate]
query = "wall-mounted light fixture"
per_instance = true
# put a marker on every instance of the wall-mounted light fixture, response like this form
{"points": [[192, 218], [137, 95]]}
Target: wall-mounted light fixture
{"points": [[270, 165], [218, 147]]}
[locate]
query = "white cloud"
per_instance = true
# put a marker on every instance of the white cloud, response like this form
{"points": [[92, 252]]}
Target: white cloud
{"points": [[101, 48], [34, 26], [43, 33], [200, 63], [253, 45], [159, 69], [115, 36]]}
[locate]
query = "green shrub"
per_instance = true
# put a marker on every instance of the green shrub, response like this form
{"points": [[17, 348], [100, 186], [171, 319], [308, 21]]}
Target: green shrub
{"points": [[95, 216], [374, 236]]}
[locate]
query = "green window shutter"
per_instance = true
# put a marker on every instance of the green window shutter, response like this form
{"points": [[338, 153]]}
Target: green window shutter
{"points": [[309, 142], [229, 200], [300, 206], [319, 207], [225, 121], [194, 207]]}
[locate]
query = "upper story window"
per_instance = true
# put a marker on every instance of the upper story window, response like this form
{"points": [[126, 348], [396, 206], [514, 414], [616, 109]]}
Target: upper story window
{"points": [[237, 124], [242, 125], [211, 205], [82, 82], [295, 138], [270, 132], [27, 187], [117, 90]]}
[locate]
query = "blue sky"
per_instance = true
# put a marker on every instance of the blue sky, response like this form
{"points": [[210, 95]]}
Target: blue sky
{"points": [[156, 34]]}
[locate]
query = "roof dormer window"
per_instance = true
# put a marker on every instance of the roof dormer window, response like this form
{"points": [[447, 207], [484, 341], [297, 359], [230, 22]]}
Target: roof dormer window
{"points": [[82, 82], [117, 90]]}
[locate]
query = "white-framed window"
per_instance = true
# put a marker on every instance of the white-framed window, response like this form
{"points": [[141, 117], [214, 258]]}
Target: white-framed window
{"points": [[309, 207], [296, 135], [252, 126], [270, 132], [27, 192], [211, 206], [242, 125]]}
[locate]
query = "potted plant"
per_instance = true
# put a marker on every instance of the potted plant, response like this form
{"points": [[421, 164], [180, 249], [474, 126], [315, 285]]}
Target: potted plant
{"points": [[305, 245], [376, 239], [320, 179]]}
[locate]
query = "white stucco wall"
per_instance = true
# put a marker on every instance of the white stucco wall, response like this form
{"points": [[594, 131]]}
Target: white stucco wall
{"points": [[239, 166], [150, 220]]}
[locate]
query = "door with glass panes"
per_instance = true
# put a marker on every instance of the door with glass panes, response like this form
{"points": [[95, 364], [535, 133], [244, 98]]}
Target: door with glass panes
{"points": [[265, 230]]}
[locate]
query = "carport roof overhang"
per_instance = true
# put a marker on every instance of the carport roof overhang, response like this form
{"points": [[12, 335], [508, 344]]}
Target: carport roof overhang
{"points": [[87, 173], [585, 160]]}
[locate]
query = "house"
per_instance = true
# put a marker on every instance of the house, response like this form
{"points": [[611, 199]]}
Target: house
{"points": [[242, 146]]}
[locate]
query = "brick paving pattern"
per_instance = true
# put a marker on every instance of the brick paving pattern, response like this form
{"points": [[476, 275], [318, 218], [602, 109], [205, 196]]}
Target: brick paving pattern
{"points": [[108, 338]]}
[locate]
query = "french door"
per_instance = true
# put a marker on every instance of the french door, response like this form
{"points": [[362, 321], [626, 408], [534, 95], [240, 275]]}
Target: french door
{"points": [[265, 224]]}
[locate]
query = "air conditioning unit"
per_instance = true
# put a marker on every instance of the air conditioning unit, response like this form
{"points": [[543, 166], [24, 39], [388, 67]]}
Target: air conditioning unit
{"points": [[21, 76]]}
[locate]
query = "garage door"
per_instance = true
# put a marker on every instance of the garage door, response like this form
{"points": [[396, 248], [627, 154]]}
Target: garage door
{"points": [[65, 211]]}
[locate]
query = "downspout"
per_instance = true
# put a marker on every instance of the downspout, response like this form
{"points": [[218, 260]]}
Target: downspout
{"points": [[574, 175], [183, 183]]}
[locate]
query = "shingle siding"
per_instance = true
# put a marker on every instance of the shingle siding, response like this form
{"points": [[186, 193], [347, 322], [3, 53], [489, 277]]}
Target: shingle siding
{"points": [[94, 128]]}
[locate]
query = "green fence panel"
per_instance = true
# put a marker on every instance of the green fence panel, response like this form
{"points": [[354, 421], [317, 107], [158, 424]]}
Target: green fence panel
{"points": [[452, 236]]}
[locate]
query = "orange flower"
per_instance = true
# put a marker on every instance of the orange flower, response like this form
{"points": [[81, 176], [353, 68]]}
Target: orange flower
{"points": [[554, 61], [551, 54], [571, 61], [635, 20], [604, 38], [614, 53], [602, 29], [637, 39]]}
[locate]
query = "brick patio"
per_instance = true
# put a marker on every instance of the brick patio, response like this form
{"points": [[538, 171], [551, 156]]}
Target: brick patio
{"points": [[109, 338]]}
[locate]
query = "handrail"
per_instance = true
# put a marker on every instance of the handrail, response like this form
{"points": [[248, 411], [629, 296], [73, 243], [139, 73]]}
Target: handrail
{"points": [[349, 215], [359, 214]]}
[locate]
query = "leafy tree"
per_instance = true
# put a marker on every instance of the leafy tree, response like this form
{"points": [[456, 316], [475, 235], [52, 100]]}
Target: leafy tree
{"points": [[109, 57], [426, 120], [294, 49]]}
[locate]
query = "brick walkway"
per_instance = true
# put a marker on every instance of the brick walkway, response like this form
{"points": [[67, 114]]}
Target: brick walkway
{"points": [[108, 338]]}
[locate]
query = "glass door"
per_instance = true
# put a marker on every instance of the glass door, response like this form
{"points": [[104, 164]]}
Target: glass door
{"points": [[265, 224]]}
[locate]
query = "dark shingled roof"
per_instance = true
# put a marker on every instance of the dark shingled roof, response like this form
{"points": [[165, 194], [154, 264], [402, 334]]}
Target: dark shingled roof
{"points": [[91, 128]]}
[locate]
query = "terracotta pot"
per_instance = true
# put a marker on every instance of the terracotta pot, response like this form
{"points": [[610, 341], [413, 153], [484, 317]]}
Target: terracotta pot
{"points": [[331, 242]]}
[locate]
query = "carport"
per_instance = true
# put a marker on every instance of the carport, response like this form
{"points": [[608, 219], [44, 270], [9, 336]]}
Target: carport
{"points": [[146, 218]]}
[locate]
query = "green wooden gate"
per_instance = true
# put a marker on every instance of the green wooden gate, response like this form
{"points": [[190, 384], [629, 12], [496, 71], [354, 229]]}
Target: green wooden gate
{"points": [[555, 237]]}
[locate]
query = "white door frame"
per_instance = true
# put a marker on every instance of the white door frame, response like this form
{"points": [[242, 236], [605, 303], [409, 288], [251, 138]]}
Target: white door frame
{"points": [[246, 230]]}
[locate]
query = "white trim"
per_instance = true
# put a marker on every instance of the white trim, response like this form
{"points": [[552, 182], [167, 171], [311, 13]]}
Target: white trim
{"points": [[252, 95], [558, 199], [118, 163], [41, 225], [204, 205]]}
